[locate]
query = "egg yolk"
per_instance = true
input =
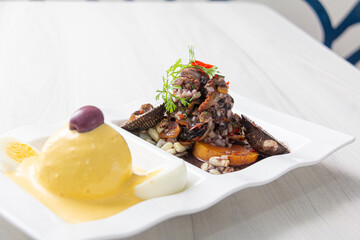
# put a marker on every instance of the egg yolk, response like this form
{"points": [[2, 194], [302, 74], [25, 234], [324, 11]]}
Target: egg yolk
{"points": [[19, 151]]}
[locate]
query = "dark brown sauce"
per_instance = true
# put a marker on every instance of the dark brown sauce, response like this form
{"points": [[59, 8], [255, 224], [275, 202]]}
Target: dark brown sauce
{"points": [[190, 158]]}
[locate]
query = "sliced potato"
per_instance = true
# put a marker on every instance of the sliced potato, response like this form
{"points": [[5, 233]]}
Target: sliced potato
{"points": [[237, 154]]}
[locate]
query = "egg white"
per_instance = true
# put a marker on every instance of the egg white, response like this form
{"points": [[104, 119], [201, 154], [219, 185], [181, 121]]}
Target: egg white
{"points": [[171, 179]]}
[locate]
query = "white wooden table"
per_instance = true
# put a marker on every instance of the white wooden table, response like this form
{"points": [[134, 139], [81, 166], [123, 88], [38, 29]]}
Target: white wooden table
{"points": [[56, 57]]}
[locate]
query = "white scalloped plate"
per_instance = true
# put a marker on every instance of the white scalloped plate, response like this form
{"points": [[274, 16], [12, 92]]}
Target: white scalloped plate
{"points": [[309, 144]]}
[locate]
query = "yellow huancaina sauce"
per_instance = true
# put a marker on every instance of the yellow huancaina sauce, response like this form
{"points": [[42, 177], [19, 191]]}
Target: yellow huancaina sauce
{"points": [[82, 176]]}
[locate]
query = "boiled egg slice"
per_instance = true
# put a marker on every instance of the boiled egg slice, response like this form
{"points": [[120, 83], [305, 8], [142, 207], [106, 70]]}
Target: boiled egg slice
{"points": [[169, 178], [13, 152]]}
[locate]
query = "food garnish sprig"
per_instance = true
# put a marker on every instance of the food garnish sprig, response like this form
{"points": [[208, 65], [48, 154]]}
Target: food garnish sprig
{"points": [[173, 73]]}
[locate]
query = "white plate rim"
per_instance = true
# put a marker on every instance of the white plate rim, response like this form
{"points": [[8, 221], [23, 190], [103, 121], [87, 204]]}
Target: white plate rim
{"points": [[316, 149]]}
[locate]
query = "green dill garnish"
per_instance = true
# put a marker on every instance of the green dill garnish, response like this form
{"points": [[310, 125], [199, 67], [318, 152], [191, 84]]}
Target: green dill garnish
{"points": [[211, 72], [184, 112], [173, 73], [191, 54]]}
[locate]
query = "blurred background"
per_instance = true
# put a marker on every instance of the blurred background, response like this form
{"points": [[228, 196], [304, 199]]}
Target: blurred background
{"points": [[336, 23], [332, 22]]}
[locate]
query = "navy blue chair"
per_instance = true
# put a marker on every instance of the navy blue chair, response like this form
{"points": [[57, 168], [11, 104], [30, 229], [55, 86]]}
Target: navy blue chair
{"points": [[331, 33]]}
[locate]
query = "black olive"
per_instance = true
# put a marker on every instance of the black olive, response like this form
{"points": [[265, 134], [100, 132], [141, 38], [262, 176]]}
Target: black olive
{"points": [[86, 119]]}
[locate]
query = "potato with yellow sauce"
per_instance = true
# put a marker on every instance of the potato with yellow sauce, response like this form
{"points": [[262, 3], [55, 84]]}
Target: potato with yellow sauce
{"points": [[87, 165]]}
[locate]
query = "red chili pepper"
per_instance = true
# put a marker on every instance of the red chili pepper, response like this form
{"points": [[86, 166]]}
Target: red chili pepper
{"points": [[201, 64], [141, 112], [227, 83], [182, 115], [237, 130]]}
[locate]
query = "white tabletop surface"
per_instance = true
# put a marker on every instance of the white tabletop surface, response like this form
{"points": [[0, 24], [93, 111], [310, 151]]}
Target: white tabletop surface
{"points": [[56, 57]]}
